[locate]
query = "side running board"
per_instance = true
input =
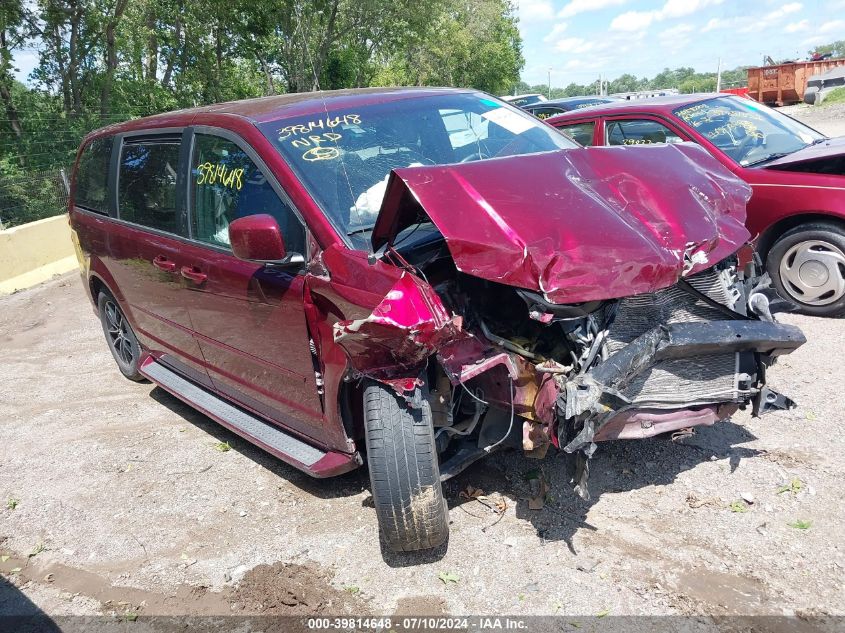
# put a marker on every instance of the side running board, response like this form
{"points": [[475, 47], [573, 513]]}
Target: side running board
{"points": [[250, 427]]}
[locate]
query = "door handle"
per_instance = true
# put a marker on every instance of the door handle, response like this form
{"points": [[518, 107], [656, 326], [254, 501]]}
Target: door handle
{"points": [[194, 274], [162, 263]]}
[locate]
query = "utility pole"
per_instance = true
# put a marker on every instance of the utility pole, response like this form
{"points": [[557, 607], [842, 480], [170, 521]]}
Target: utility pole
{"points": [[550, 82], [719, 76]]}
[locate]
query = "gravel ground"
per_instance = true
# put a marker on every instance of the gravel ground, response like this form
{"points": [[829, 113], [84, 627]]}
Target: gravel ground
{"points": [[123, 503], [828, 119]]}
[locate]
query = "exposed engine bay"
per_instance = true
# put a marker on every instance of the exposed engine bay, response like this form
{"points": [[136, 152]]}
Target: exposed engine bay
{"points": [[626, 368]]}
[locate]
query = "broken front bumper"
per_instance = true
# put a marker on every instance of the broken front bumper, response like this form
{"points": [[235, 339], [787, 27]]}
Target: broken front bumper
{"points": [[598, 404]]}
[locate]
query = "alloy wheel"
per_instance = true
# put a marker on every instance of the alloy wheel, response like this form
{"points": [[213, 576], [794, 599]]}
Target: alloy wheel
{"points": [[118, 333]]}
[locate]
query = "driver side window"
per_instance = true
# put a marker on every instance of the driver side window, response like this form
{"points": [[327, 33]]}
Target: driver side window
{"points": [[226, 185]]}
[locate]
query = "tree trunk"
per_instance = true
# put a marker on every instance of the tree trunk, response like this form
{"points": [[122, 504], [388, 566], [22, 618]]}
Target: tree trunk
{"points": [[177, 46], [60, 64], [268, 76], [6, 93], [218, 50], [73, 63], [325, 45], [152, 48], [110, 55]]}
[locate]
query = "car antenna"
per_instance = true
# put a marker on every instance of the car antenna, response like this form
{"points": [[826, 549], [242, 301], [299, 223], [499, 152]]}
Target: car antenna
{"points": [[371, 256]]}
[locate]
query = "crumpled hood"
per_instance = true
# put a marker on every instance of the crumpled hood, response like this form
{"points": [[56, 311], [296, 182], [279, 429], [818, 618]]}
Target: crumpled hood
{"points": [[826, 149], [580, 224]]}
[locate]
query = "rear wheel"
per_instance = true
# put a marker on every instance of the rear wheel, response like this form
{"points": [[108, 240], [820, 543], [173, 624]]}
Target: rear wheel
{"points": [[807, 266], [121, 339], [404, 471]]}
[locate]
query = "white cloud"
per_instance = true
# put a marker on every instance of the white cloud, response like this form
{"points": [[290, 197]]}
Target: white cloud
{"points": [[714, 24], [834, 25], [556, 32], [754, 24], [814, 39], [680, 8], [795, 27], [535, 10], [582, 6], [572, 44], [676, 31], [633, 20], [676, 37], [636, 20]]}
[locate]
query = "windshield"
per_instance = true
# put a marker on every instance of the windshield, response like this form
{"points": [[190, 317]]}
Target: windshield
{"points": [[344, 157], [747, 131]]}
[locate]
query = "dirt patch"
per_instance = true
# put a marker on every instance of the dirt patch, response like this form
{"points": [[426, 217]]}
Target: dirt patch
{"points": [[708, 592], [421, 605], [290, 589]]}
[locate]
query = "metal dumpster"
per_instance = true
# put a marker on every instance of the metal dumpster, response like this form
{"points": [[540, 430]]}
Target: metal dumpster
{"points": [[785, 83]]}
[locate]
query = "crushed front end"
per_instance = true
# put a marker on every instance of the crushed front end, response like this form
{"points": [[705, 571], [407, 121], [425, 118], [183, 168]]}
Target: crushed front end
{"points": [[684, 356], [575, 298]]}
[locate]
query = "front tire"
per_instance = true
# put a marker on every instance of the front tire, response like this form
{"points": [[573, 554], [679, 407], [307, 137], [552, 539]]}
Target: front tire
{"points": [[404, 471], [807, 267], [122, 342]]}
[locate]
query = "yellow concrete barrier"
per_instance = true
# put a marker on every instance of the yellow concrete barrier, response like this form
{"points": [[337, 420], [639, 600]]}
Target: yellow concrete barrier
{"points": [[34, 252]]}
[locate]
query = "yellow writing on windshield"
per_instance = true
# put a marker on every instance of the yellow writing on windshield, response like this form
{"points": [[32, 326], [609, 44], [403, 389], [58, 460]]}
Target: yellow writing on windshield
{"points": [[211, 174], [316, 139], [320, 153], [330, 122]]}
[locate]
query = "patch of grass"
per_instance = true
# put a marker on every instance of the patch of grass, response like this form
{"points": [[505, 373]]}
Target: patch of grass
{"points": [[801, 524], [739, 506], [36, 550], [352, 589], [223, 447], [448, 576], [12, 503], [793, 486], [834, 96]]}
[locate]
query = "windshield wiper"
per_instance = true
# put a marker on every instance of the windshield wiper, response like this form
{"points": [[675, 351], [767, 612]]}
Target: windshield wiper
{"points": [[768, 158], [366, 229]]}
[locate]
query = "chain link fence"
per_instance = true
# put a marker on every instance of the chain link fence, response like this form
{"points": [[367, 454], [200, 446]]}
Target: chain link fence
{"points": [[38, 195]]}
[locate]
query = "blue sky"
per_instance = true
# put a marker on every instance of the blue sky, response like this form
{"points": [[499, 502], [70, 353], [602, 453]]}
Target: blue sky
{"points": [[579, 39]]}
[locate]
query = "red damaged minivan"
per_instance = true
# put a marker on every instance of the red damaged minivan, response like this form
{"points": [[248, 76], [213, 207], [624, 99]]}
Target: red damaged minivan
{"points": [[420, 277]]}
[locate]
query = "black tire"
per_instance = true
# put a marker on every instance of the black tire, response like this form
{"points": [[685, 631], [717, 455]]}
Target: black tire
{"points": [[827, 236], [404, 471], [122, 342]]}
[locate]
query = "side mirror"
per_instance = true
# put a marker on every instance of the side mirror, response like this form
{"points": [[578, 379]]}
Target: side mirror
{"points": [[257, 238]]}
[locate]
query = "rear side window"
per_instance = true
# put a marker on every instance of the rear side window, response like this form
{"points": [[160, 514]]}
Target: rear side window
{"points": [[639, 132], [92, 176], [580, 132], [545, 113], [228, 185], [147, 185]]}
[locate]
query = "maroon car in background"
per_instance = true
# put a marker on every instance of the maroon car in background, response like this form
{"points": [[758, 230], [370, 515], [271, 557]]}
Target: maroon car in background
{"points": [[420, 277], [797, 211]]}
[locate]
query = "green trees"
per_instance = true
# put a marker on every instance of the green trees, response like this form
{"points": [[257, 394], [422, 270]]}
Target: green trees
{"points": [[101, 61], [837, 49]]}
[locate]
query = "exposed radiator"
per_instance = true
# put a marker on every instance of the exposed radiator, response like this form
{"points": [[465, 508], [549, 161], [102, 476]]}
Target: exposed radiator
{"points": [[671, 383]]}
